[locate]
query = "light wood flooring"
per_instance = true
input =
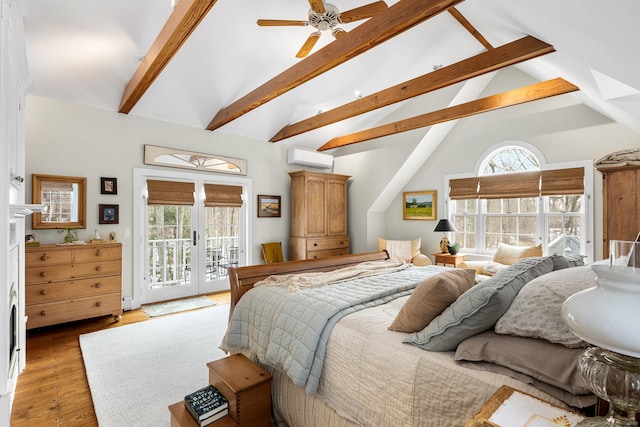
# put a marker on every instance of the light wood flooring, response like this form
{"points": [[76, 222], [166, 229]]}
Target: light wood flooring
{"points": [[53, 389]]}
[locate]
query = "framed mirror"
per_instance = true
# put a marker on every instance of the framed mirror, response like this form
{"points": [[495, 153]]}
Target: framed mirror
{"points": [[64, 198]]}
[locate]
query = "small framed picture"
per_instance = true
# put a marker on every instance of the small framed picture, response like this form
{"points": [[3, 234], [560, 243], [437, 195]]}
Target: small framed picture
{"points": [[268, 206], [108, 185], [108, 214], [419, 205]]}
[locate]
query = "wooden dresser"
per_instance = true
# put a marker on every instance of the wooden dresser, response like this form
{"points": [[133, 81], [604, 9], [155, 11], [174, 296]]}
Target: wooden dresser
{"points": [[72, 282], [318, 215], [620, 205]]}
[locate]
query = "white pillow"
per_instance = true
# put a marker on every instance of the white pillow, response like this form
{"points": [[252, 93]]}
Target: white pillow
{"points": [[535, 311]]}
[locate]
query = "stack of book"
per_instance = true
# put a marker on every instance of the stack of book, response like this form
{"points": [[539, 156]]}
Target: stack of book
{"points": [[206, 405]]}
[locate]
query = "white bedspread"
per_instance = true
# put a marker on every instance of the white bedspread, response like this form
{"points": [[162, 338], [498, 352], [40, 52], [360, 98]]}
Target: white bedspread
{"points": [[373, 379]]}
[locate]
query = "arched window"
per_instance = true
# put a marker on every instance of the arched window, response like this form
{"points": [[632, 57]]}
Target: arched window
{"points": [[516, 198]]}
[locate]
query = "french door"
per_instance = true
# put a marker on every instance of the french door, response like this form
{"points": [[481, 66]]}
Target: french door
{"points": [[188, 247]]}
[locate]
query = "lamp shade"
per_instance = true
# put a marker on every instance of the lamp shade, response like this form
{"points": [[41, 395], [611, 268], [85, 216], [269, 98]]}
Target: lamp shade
{"points": [[444, 225], [607, 314]]}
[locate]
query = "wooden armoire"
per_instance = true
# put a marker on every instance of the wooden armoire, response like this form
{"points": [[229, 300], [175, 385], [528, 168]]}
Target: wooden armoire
{"points": [[318, 215], [620, 204]]}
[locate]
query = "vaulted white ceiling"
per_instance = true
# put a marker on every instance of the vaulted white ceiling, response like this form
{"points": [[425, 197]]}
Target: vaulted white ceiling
{"points": [[86, 52]]}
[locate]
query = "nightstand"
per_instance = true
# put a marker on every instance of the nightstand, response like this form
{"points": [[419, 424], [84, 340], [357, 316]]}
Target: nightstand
{"points": [[445, 258], [246, 386]]}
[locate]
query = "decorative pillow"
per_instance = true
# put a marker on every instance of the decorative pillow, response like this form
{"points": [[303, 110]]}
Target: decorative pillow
{"points": [[508, 254], [491, 268], [431, 297], [567, 261], [551, 363], [478, 309], [535, 312]]}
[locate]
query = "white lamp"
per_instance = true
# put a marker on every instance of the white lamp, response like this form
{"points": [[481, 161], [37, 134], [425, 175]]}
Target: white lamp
{"points": [[608, 316]]}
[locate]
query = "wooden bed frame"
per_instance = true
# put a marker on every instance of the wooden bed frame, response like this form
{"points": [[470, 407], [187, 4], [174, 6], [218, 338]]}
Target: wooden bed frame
{"points": [[242, 279]]}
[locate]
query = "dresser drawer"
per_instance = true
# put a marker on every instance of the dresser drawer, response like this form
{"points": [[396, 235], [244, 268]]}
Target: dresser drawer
{"points": [[327, 253], [74, 309], [34, 257], [328, 243], [97, 254], [46, 292], [53, 273]]}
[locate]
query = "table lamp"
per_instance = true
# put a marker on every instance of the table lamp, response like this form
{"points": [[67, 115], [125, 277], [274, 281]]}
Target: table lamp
{"points": [[445, 226], [608, 316]]}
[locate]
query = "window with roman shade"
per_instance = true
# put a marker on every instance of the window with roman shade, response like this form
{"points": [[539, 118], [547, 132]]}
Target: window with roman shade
{"points": [[172, 193], [513, 201], [222, 195]]}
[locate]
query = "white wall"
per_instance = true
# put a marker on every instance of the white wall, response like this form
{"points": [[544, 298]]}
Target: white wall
{"points": [[68, 139], [559, 127]]}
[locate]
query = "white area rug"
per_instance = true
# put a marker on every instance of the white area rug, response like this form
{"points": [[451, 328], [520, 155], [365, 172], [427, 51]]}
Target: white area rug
{"points": [[136, 371]]}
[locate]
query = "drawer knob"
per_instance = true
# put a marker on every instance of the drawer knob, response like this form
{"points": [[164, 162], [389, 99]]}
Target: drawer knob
{"points": [[43, 313], [315, 244], [43, 274], [44, 292], [342, 243], [98, 252], [44, 257], [98, 267], [98, 304], [98, 285]]}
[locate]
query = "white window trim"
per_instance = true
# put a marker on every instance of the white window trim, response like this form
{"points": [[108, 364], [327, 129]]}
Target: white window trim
{"points": [[541, 231], [140, 176]]}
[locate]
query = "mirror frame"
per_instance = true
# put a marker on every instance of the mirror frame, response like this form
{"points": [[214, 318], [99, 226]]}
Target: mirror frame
{"points": [[36, 197]]}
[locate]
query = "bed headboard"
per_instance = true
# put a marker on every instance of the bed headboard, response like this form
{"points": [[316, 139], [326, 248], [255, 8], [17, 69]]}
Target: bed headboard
{"points": [[242, 279]]}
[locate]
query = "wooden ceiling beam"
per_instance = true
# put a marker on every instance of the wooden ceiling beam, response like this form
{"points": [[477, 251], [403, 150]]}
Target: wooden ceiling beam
{"points": [[181, 23], [470, 28], [398, 18], [509, 98], [512, 53]]}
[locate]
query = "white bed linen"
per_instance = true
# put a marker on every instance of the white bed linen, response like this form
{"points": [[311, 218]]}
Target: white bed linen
{"points": [[371, 378]]}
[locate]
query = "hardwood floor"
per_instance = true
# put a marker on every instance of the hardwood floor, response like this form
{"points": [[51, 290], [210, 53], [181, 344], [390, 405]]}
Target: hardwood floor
{"points": [[53, 389]]}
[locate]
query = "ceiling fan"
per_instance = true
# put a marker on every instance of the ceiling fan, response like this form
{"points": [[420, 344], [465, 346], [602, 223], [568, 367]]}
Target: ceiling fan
{"points": [[324, 16]]}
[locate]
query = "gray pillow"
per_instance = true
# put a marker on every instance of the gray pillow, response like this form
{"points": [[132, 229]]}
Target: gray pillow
{"points": [[478, 309], [561, 262]]}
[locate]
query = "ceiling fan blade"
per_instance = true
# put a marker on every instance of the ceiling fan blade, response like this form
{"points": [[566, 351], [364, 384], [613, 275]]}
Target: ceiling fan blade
{"points": [[363, 12], [308, 45], [318, 6], [280, 22]]}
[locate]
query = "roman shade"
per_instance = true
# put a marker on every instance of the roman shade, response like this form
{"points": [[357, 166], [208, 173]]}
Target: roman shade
{"points": [[222, 195], [523, 184], [562, 182], [463, 188], [170, 193]]}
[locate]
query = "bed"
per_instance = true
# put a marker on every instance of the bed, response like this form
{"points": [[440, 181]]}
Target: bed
{"points": [[335, 362]]}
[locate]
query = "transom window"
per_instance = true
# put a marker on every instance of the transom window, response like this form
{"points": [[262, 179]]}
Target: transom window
{"points": [[512, 201]]}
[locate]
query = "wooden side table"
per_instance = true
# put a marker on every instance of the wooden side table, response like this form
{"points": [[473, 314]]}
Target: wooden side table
{"points": [[446, 258], [246, 386]]}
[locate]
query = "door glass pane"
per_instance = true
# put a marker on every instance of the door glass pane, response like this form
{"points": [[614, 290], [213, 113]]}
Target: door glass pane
{"points": [[169, 256], [222, 239]]}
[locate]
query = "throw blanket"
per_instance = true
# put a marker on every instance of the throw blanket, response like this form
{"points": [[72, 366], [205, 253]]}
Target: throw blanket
{"points": [[295, 282], [289, 330]]}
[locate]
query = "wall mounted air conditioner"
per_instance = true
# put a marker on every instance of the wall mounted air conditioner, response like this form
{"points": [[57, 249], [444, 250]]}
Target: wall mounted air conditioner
{"points": [[296, 156]]}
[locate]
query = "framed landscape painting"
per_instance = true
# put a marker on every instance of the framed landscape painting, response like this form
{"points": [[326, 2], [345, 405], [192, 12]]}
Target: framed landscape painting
{"points": [[419, 205], [268, 206]]}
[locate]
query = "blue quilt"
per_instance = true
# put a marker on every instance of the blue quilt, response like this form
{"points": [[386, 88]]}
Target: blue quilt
{"points": [[289, 330]]}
